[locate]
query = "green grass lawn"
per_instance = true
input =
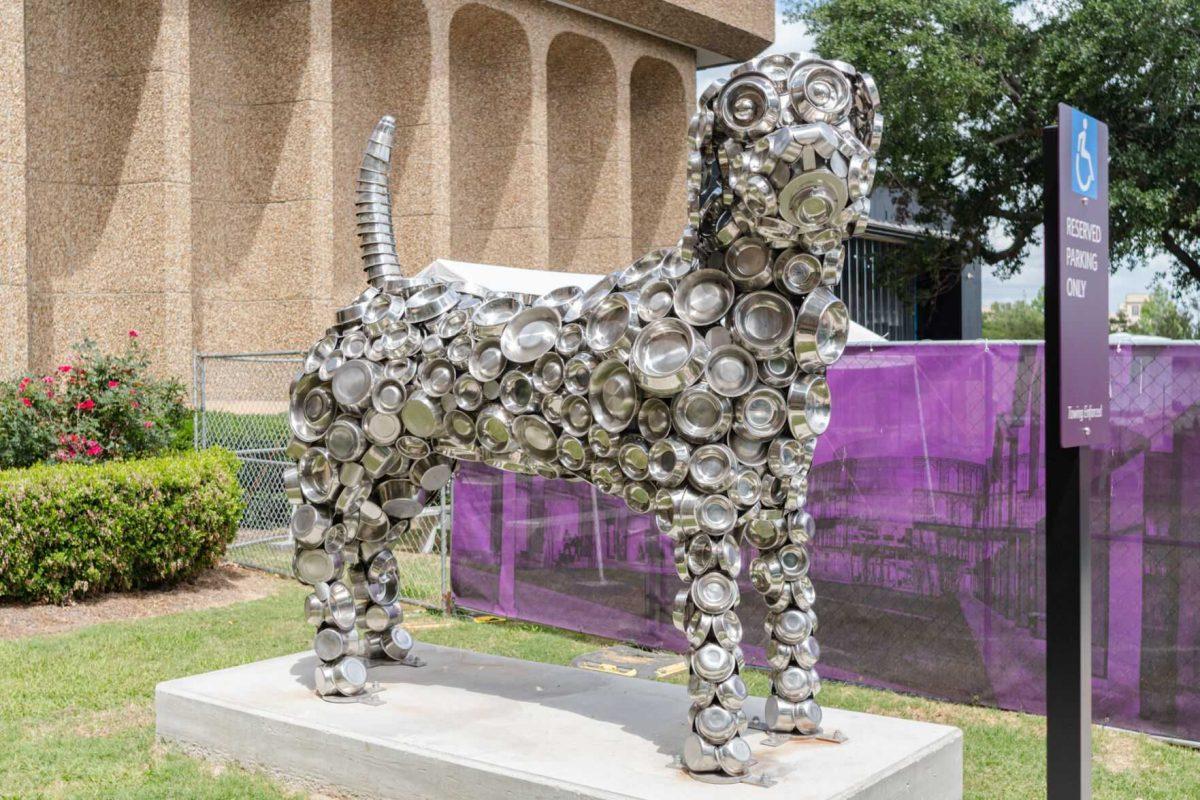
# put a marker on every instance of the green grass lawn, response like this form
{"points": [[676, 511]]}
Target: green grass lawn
{"points": [[77, 717]]}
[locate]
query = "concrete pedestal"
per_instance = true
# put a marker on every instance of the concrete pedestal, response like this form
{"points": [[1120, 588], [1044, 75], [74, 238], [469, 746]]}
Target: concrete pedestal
{"points": [[478, 727]]}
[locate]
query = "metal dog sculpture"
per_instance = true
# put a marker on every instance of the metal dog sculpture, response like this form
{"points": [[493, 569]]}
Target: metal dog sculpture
{"points": [[690, 383]]}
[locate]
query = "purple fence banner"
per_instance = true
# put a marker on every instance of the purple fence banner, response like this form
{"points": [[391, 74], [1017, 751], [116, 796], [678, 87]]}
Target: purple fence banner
{"points": [[928, 558]]}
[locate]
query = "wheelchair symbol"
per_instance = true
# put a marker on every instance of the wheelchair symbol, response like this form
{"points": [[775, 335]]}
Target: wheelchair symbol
{"points": [[1082, 158]]}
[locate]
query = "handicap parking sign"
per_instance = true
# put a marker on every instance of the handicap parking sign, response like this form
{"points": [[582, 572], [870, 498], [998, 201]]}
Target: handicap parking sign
{"points": [[1085, 172]]}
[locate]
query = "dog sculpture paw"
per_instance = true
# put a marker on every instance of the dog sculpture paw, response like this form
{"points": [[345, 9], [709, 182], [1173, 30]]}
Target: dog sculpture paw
{"points": [[690, 383]]}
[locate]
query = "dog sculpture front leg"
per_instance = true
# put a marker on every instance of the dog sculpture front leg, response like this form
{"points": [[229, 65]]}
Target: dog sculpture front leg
{"points": [[708, 558]]}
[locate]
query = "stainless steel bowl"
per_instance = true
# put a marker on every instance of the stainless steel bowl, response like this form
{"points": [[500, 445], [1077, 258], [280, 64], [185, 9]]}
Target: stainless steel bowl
{"points": [[655, 300], [536, 436], [388, 396], [459, 350], [318, 476], [379, 618], [548, 373], [347, 677], [638, 495], [763, 323], [345, 439], [612, 325], [703, 297], [422, 414], [748, 262], [573, 453], [310, 407], [746, 489], [822, 329], [712, 468], [797, 272], [460, 426], [612, 396], [381, 428], [468, 392], [493, 429], [399, 498], [800, 527], [761, 414], [640, 272], [735, 757], [790, 627], [784, 457], [700, 414], [491, 316], [699, 755], [577, 372], [437, 377], [808, 406], [308, 525], [565, 300], [749, 452], [316, 566], [668, 462], [778, 371], [517, 394], [654, 418], [667, 357], [397, 643], [716, 514], [576, 415], [570, 339], [530, 334], [731, 370], [716, 724], [595, 294], [764, 530], [728, 630], [432, 472], [602, 443], [430, 302], [713, 662], [487, 360]]}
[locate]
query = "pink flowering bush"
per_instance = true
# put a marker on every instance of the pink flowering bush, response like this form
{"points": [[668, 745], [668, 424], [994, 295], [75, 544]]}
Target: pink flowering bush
{"points": [[96, 407]]}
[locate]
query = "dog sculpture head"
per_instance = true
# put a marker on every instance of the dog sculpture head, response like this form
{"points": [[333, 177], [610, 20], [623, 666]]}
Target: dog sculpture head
{"points": [[782, 154], [690, 383]]}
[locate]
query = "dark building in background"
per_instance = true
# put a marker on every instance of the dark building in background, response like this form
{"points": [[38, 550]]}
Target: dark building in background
{"points": [[897, 315]]}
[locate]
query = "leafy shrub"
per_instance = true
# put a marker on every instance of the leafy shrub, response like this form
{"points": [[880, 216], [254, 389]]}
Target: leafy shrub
{"points": [[97, 406], [69, 530]]}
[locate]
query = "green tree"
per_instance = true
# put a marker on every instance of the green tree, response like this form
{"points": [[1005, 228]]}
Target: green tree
{"points": [[1023, 319], [967, 86], [1163, 316]]}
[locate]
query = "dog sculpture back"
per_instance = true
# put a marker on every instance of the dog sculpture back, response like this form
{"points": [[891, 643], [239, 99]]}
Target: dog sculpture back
{"points": [[690, 383]]}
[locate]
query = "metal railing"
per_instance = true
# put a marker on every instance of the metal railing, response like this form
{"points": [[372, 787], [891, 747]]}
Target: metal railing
{"points": [[239, 402]]}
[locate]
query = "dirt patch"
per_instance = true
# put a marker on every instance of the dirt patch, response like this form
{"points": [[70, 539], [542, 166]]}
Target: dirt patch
{"points": [[220, 586]]}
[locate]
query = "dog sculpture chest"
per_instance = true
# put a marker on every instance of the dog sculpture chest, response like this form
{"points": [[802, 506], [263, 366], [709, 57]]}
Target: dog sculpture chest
{"points": [[690, 383]]}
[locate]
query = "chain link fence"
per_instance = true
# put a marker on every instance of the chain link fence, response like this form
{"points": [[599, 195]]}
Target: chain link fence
{"points": [[240, 403]]}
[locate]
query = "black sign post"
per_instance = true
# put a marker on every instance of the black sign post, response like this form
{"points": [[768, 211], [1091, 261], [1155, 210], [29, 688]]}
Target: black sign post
{"points": [[1076, 251]]}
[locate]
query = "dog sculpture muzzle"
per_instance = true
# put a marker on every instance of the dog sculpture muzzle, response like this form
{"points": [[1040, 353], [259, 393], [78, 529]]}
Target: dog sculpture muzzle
{"points": [[690, 383]]}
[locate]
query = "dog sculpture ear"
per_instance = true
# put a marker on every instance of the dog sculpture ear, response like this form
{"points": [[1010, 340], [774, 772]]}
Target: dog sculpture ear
{"points": [[373, 206]]}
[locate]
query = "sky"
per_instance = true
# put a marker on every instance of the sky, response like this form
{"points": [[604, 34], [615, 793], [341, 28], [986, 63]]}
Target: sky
{"points": [[792, 37]]}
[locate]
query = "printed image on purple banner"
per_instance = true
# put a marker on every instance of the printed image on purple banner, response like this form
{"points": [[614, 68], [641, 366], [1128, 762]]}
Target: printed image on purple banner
{"points": [[929, 554]]}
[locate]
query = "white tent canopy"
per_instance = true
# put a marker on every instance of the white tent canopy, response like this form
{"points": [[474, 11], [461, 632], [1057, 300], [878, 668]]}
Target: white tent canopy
{"points": [[540, 281]]}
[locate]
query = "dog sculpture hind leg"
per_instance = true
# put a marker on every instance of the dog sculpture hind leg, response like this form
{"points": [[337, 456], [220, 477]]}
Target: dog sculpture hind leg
{"points": [[690, 383]]}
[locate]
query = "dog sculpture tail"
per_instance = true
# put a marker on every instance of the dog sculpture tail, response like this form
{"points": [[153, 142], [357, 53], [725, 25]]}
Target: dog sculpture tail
{"points": [[373, 207]]}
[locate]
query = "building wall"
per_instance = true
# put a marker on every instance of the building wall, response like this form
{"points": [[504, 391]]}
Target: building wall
{"points": [[187, 167]]}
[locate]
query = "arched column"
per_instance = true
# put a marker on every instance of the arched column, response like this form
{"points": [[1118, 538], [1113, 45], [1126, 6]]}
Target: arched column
{"points": [[498, 192], [588, 215], [658, 118]]}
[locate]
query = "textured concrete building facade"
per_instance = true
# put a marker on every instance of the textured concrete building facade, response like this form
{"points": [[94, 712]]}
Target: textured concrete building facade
{"points": [[186, 167]]}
